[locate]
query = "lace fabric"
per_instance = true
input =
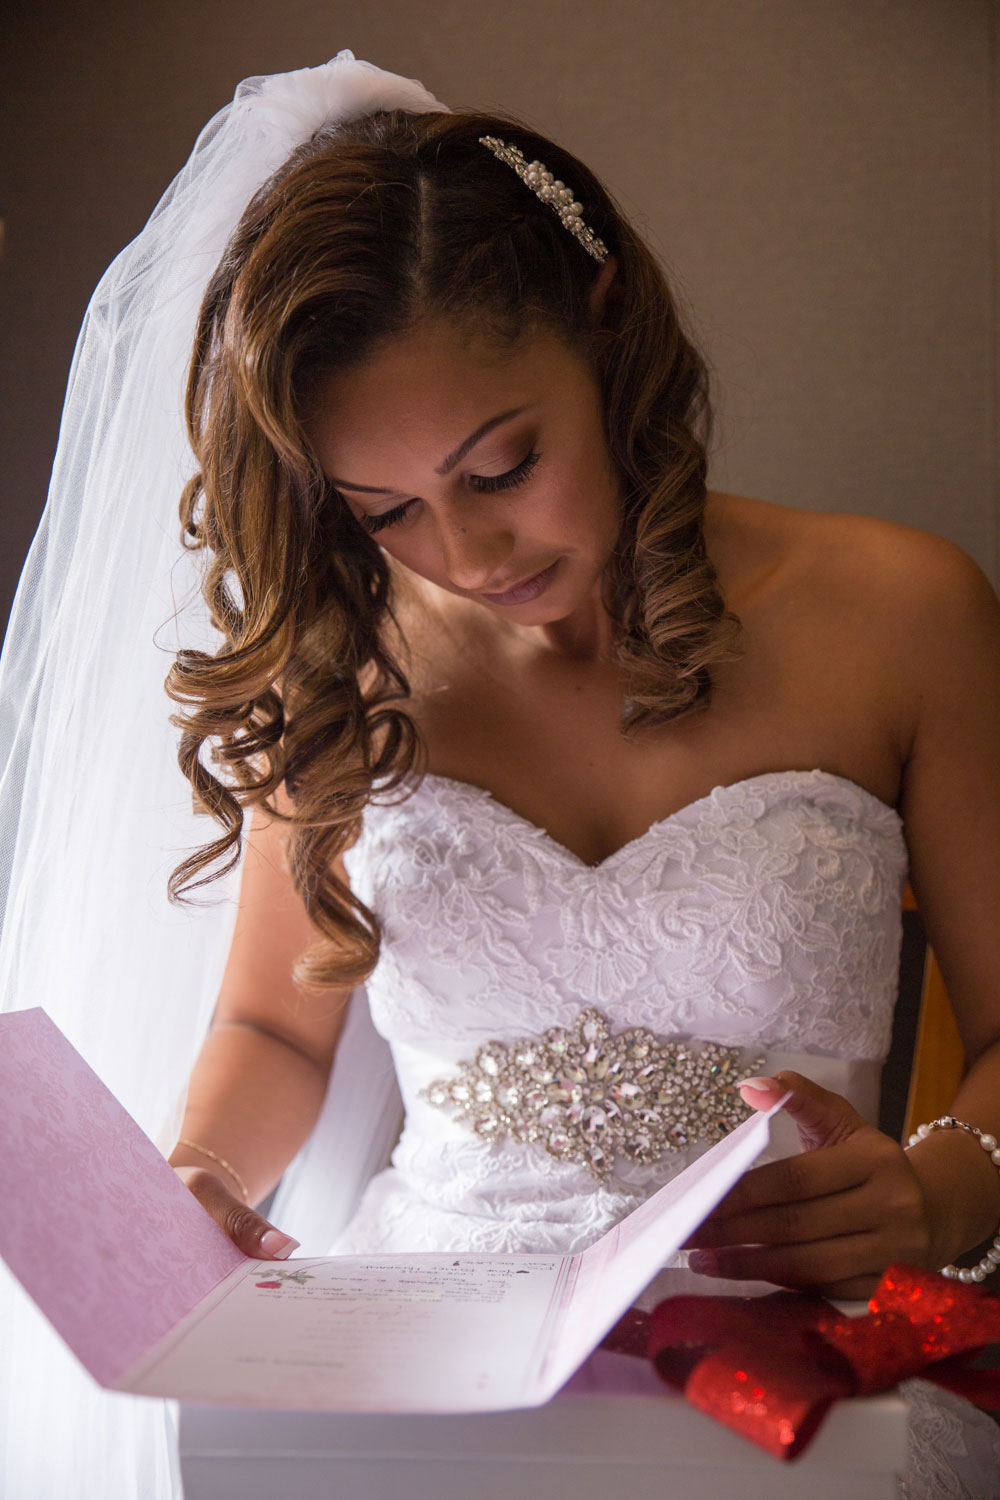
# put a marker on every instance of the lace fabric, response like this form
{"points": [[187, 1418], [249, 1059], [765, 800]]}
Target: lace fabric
{"points": [[766, 914], [954, 1450]]}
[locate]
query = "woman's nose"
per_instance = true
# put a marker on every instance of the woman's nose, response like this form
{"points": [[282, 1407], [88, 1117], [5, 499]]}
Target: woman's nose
{"points": [[474, 555]]}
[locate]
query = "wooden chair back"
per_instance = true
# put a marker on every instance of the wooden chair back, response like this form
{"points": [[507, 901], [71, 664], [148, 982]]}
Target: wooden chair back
{"points": [[938, 1054]]}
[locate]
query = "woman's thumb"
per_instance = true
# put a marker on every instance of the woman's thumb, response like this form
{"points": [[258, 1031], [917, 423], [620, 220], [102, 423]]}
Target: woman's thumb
{"points": [[273, 1245], [248, 1230], [823, 1118]]}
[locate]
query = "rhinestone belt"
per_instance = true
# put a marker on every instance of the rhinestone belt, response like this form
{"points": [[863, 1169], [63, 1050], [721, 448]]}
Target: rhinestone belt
{"points": [[587, 1096]]}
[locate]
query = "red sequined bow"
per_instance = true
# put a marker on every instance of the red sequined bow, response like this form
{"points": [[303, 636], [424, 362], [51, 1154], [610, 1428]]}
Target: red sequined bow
{"points": [[769, 1367]]}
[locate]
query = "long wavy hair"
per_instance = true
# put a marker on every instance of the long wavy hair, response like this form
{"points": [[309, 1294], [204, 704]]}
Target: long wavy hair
{"points": [[366, 229]]}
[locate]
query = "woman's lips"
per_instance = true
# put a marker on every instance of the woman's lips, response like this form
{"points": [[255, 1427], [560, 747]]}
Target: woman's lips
{"points": [[530, 588]]}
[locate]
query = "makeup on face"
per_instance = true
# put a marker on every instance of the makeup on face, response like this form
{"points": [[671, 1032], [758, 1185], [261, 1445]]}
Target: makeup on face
{"points": [[482, 483], [526, 591], [486, 474]]}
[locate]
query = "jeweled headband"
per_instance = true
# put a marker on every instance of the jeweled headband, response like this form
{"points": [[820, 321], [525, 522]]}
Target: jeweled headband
{"points": [[551, 191]]}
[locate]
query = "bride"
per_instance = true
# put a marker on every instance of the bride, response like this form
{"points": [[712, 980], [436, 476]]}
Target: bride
{"points": [[520, 724]]}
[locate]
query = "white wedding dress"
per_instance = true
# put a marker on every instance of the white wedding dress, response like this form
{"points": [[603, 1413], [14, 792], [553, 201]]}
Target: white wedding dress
{"points": [[765, 916]]}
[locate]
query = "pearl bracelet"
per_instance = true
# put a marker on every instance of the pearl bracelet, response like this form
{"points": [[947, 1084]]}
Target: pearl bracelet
{"points": [[991, 1260]]}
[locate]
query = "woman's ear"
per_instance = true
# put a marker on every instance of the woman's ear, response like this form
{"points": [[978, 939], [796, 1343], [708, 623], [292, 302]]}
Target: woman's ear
{"points": [[598, 290]]}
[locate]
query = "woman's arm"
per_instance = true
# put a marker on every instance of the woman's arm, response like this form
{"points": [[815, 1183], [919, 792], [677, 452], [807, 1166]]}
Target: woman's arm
{"points": [[854, 1201], [951, 813], [252, 1100], [258, 1084]]}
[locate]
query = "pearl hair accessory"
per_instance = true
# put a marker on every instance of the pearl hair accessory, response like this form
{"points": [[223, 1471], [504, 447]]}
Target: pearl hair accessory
{"points": [[991, 1260], [551, 191]]}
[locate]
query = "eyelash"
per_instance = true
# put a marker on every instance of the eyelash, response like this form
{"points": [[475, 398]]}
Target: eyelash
{"points": [[487, 484]]}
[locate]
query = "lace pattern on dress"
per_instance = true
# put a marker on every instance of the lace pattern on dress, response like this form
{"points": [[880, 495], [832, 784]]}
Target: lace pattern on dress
{"points": [[954, 1449], [767, 913], [764, 916]]}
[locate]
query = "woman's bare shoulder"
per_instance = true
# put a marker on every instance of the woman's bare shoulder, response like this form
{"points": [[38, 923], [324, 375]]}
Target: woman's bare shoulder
{"points": [[901, 576], [879, 599], [843, 553]]}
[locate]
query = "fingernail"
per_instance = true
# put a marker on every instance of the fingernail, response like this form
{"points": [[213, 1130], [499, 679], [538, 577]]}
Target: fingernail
{"points": [[278, 1245], [761, 1085], [703, 1261]]}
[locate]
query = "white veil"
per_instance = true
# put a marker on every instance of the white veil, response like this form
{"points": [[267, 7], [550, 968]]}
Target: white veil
{"points": [[94, 812]]}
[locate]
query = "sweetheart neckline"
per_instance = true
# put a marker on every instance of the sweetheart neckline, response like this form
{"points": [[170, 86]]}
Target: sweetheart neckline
{"points": [[659, 823]]}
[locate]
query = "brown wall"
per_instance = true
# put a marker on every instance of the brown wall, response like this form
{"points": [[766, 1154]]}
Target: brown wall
{"points": [[817, 175]]}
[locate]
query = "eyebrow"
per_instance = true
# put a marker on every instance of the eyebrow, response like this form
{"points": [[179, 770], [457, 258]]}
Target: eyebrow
{"points": [[455, 457]]}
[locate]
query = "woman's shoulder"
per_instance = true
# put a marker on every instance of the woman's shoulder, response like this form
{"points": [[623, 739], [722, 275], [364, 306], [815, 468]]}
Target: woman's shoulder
{"points": [[841, 557], [885, 612]]}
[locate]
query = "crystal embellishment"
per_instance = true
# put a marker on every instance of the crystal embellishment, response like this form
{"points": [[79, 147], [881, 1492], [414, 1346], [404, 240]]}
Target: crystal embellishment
{"points": [[588, 1096], [551, 191]]}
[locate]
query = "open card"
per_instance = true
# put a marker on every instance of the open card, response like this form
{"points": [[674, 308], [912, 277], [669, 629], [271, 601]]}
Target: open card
{"points": [[153, 1297]]}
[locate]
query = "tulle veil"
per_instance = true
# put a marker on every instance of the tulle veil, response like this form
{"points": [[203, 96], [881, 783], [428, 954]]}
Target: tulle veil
{"points": [[94, 812]]}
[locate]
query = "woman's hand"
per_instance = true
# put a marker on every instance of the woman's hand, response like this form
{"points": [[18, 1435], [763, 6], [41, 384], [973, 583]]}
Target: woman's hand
{"points": [[247, 1229], [830, 1219]]}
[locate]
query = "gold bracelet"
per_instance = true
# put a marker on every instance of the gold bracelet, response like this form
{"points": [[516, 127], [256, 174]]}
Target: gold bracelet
{"points": [[231, 1170]]}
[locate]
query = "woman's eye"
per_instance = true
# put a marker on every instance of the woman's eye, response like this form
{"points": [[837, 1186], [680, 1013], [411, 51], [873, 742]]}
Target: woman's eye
{"points": [[505, 481], [373, 524], [481, 482]]}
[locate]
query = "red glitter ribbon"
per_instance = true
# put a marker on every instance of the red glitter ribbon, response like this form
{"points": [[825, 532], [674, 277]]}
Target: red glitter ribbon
{"points": [[770, 1367]]}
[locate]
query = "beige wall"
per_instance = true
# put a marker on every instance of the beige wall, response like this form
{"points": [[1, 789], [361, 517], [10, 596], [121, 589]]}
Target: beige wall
{"points": [[816, 174]]}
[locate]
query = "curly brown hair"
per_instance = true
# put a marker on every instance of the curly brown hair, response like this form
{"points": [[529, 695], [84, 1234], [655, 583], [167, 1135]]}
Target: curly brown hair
{"points": [[366, 229]]}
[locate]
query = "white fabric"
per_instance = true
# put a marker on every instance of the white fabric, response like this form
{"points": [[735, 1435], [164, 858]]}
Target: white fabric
{"points": [[94, 813], [767, 914]]}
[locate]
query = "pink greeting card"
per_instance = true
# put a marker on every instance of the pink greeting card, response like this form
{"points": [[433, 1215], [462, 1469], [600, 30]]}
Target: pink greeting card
{"points": [[154, 1298]]}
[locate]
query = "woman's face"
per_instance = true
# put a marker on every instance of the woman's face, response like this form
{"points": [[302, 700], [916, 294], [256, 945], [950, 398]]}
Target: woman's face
{"points": [[485, 472]]}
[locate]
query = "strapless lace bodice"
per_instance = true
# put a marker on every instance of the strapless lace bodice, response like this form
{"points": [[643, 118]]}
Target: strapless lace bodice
{"points": [[765, 915]]}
